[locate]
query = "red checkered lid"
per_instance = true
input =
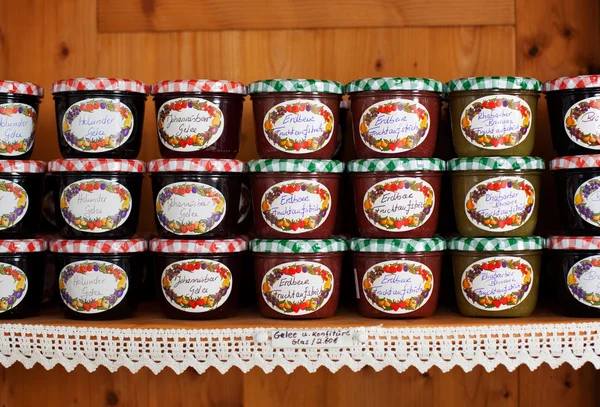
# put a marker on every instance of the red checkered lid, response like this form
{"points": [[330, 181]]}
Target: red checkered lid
{"points": [[96, 165], [195, 165], [22, 166], [238, 244], [98, 246], [199, 85], [572, 82], [21, 88], [110, 84], [573, 243], [575, 161], [23, 245]]}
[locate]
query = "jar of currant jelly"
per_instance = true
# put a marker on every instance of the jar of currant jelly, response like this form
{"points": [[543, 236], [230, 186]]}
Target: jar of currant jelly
{"points": [[19, 107], [21, 277], [99, 279], [395, 117], [21, 186], [199, 118], [296, 118], [99, 117], [196, 198], [97, 198], [199, 279]]}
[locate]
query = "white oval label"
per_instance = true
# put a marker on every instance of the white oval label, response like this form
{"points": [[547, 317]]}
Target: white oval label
{"points": [[399, 204], [497, 283], [189, 124], [583, 281], [297, 287], [92, 286], [190, 208], [95, 205], [196, 285], [13, 286], [398, 287], [582, 123], [14, 202], [296, 206], [97, 125], [245, 203], [587, 201], [496, 122], [394, 126], [17, 128], [500, 204], [299, 126]]}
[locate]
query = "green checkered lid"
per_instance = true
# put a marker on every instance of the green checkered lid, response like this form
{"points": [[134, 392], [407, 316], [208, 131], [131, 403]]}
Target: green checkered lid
{"points": [[493, 82], [397, 164], [298, 165], [367, 84], [496, 163], [296, 85], [298, 246], [496, 244], [434, 244]]}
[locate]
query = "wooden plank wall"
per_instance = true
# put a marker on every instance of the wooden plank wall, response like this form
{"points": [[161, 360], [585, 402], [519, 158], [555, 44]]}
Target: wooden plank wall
{"points": [[151, 40]]}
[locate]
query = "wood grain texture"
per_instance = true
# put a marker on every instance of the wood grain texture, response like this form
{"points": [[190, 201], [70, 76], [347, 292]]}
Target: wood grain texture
{"points": [[180, 15]]}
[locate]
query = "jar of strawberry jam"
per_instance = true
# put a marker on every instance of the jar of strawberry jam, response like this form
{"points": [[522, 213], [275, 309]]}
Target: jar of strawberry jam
{"points": [[99, 117], [199, 118]]}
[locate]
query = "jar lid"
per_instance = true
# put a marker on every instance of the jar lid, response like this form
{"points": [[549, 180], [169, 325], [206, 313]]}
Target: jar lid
{"points": [[108, 84], [298, 165], [572, 82], [296, 85], [22, 166], [575, 161], [403, 83], [21, 88], [434, 244], [198, 85], [496, 244], [299, 246], [493, 82], [23, 245], [195, 165], [573, 243], [98, 246], [238, 244], [496, 163], [397, 164], [96, 165]]}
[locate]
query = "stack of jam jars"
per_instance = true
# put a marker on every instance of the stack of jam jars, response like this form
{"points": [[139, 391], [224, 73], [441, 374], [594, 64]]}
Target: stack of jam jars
{"points": [[295, 193], [97, 189], [574, 257], [397, 193], [198, 197], [496, 193]]}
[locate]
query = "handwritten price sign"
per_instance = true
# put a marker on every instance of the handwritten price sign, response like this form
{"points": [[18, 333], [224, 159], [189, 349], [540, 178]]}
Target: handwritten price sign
{"points": [[318, 338]]}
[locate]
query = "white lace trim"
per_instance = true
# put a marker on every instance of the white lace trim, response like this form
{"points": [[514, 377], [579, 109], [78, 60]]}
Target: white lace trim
{"points": [[377, 347]]}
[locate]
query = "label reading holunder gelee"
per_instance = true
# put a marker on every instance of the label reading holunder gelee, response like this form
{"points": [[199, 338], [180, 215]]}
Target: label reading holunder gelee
{"points": [[17, 128], [95, 205], [196, 285], [497, 283], [583, 281], [299, 126], [397, 287], [500, 204], [582, 123], [399, 204], [297, 288], [587, 201], [97, 125], [394, 126], [14, 202], [92, 286], [296, 206], [13, 286], [190, 208], [189, 124], [496, 122]]}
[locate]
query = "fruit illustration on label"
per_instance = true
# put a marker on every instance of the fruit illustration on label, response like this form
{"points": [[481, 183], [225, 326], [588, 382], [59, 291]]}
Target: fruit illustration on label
{"points": [[14, 202], [582, 123], [587, 201], [17, 128], [13, 286], [583, 281]]}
